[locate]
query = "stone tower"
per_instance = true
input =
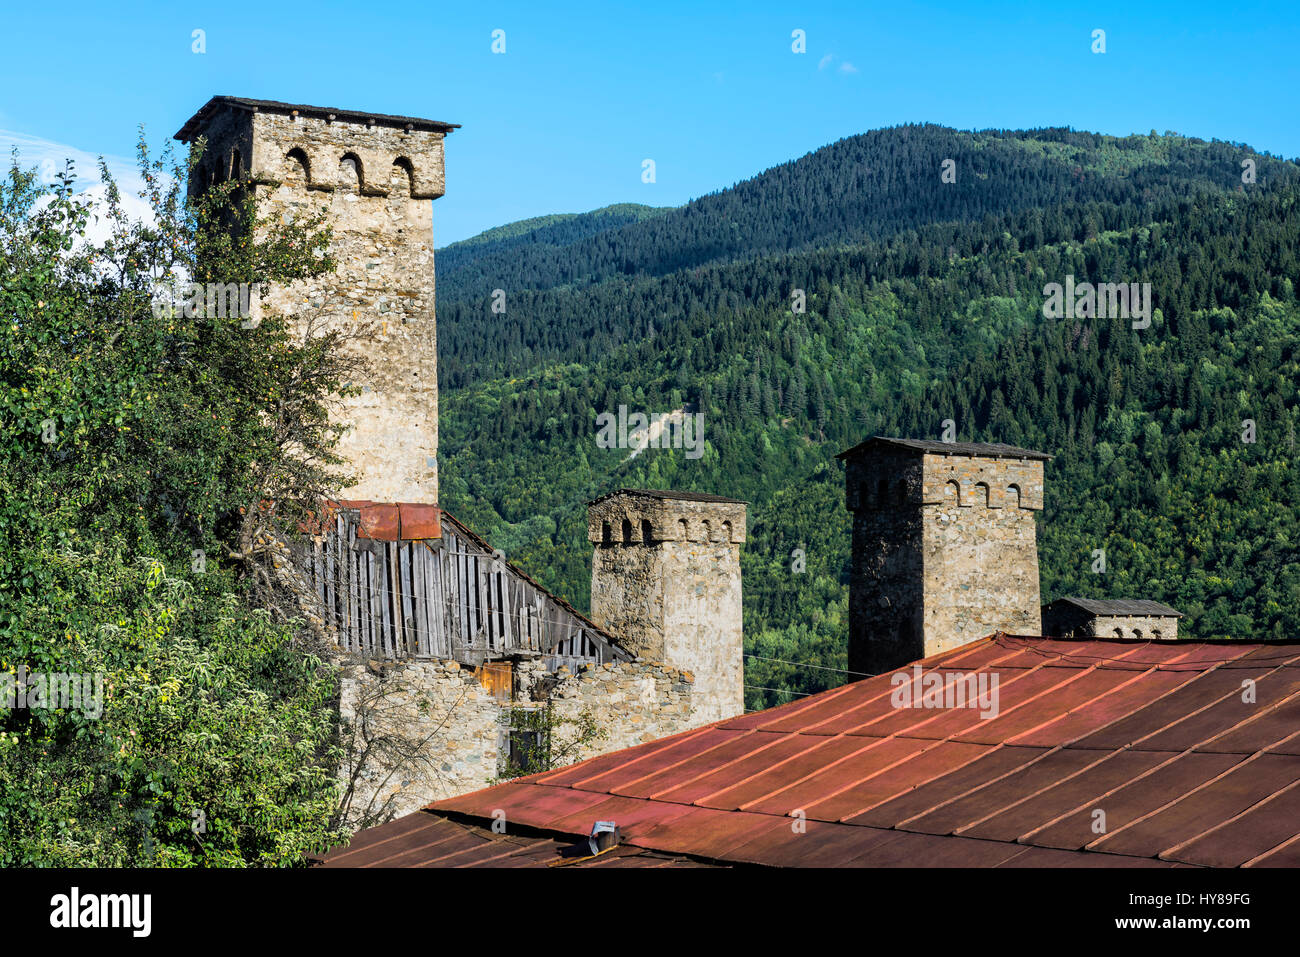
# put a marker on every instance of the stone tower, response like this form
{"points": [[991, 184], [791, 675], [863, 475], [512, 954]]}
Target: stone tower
{"points": [[665, 579], [374, 176], [944, 546]]}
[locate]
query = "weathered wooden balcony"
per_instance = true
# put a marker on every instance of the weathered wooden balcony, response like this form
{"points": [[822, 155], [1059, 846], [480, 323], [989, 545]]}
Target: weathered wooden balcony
{"points": [[410, 581]]}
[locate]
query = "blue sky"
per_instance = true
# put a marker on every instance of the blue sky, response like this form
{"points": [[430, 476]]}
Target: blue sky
{"points": [[585, 91]]}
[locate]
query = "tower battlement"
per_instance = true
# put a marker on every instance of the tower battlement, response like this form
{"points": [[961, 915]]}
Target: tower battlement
{"points": [[944, 546], [665, 578], [372, 175]]}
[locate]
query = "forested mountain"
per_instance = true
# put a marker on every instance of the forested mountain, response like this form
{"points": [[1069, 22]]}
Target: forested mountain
{"points": [[509, 242], [924, 303]]}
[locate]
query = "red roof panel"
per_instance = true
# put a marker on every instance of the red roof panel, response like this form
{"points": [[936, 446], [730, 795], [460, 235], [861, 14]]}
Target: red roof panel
{"points": [[881, 755], [1085, 788], [1181, 775], [1153, 734], [1189, 815], [1200, 692], [996, 762]]}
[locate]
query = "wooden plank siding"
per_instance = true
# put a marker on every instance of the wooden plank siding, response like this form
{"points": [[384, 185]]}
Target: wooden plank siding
{"points": [[448, 598]]}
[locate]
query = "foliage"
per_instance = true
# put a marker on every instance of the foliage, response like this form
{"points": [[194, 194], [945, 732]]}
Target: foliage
{"points": [[137, 449], [936, 314], [539, 741]]}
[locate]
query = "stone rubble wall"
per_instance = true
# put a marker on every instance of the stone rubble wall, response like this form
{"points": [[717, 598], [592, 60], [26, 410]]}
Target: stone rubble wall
{"points": [[666, 580], [944, 552], [1079, 623], [435, 732], [382, 293]]}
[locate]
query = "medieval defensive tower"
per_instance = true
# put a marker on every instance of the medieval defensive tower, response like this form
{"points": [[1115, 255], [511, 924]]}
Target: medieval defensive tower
{"points": [[665, 578], [373, 175], [944, 546]]}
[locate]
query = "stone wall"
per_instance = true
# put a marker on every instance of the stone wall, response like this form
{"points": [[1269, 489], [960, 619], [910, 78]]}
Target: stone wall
{"points": [[634, 702], [1078, 623], [420, 731], [944, 552], [665, 580], [374, 182], [414, 732]]}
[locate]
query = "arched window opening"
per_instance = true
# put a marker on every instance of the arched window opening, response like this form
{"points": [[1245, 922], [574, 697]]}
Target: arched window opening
{"points": [[402, 178], [350, 172], [952, 492], [605, 537], [647, 531], [627, 532], [982, 494], [297, 168], [1013, 490]]}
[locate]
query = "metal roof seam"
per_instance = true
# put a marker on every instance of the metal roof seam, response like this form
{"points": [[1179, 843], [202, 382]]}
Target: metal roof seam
{"points": [[1137, 676], [1168, 804], [847, 818], [1033, 794], [667, 742], [859, 729], [853, 754], [740, 734], [1254, 861], [779, 738], [1163, 855], [1016, 770]]}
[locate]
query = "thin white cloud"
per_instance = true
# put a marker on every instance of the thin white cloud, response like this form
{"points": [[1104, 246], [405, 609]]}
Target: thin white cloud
{"points": [[825, 61], [48, 157], [847, 67]]}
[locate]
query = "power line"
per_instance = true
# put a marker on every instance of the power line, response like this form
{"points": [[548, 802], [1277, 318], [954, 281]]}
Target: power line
{"points": [[800, 664], [803, 694]]}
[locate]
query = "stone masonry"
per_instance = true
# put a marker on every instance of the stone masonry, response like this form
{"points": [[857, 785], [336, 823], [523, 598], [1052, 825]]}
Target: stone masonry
{"points": [[944, 547], [665, 578], [420, 731], [1110, 618], [374, 176]]}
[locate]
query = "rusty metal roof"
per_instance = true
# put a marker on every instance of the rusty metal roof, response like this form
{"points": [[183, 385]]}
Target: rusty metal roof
{"points": [[1120, 606], [194, 125], [1161, 737], [996, 450], [429, 840]]}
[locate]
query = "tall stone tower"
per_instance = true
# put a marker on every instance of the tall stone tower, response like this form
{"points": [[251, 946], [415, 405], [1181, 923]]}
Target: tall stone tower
{"points": [[944, 546], [665, 579], [374, 176]]}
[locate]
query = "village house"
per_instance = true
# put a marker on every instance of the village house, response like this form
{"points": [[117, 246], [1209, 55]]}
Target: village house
{"points": [[456, 667], [1097, 746], [1089, 751]]}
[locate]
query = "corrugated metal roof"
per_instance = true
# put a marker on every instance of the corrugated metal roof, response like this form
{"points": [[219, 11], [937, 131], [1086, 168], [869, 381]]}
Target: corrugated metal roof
{"points": [[1120, 606], [195, 123], [1159, 736], [996, 450], [429, 840]]}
